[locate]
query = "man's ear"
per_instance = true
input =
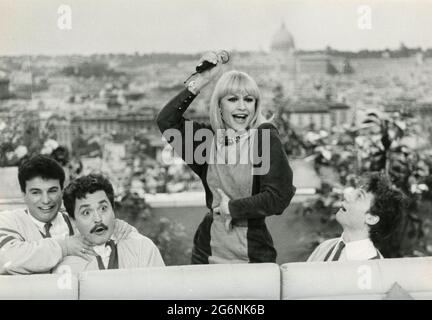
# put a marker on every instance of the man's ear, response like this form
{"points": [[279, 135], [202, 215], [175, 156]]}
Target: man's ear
{"points": [[372, 219]]}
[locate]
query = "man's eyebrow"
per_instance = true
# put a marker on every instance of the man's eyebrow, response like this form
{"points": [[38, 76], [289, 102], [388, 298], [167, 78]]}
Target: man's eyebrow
{"points": [[103, 201], [35, 189], [84, 206]]}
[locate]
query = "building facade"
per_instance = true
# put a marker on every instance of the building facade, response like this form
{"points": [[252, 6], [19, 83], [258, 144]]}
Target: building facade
{"points": [[318, 114]]}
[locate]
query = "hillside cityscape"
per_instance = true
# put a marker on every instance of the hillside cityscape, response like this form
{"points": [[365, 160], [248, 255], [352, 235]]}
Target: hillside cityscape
{"points": [[97, 113]]}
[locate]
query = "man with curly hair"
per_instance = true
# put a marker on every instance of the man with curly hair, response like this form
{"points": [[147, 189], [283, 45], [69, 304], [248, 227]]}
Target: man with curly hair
{"points": [[89, 201], [368, 216]]}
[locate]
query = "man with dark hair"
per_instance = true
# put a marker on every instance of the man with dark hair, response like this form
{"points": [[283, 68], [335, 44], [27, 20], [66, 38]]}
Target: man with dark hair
{"points": [[368, 216], [89, 201], [36, 238]]}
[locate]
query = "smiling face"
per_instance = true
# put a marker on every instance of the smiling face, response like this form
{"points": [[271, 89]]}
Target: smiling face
{"points": [[43, 198], [94, 217], [354, 213], [238, 110]]}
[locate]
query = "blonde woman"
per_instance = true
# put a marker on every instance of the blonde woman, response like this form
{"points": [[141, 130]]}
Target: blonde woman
{"points": [[241, 163]]}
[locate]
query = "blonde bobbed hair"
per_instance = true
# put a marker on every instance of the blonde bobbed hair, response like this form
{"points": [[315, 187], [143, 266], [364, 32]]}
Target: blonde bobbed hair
{"points": [[233, 82]]}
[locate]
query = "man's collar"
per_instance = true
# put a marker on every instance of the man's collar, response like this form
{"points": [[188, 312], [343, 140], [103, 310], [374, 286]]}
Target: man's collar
{"points": [[350, 237], [366, 241], [113, 238], [363, 249], [103, 250], [39, 224]]}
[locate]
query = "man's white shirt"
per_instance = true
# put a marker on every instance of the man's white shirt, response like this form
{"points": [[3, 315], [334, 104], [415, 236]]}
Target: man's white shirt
{"points": [[359, 250], [59, 228], [104, 251]]}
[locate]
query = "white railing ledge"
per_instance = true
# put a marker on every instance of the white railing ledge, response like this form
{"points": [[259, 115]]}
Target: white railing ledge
{"points": [[197, 198], [178, 199]]}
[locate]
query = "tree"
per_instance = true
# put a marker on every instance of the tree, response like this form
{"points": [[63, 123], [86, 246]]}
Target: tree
{"points": [[347, 67], [23, 138], [378, 145], [292, 143], [86, 146], [331, 69]]}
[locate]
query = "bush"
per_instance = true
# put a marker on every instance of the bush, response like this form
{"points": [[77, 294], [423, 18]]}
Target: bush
{"points": [[378, 144], [168, 236]]}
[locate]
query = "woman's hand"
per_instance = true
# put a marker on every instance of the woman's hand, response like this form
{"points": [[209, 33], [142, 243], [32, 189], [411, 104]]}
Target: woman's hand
{"points": [[223, 209], [204, 78]]}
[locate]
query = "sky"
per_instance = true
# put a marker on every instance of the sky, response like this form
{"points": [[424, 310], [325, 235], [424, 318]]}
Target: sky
{"points": [[193, 26]]}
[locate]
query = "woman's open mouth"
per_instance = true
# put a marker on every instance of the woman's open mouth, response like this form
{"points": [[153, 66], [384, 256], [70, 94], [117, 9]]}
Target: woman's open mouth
{"points": [[240, 118]]}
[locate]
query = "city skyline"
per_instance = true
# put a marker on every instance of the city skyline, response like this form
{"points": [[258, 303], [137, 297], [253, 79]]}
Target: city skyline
{"points": [[191, 26]]}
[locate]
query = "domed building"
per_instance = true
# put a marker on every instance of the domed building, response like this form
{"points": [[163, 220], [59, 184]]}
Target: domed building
{"points": [[282, 54], [283, 41]]}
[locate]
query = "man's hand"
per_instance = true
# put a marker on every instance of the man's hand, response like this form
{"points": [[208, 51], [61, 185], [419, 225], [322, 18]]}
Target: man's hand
{"points": [[77, 245], [223, 209]]}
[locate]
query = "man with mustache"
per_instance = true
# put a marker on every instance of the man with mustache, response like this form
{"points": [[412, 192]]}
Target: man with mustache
{"points": [[368, 216], [89, 201], [36, 238]]}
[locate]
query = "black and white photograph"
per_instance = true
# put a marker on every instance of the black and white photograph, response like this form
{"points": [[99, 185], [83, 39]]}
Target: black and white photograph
{"points": [[215, 150]]}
